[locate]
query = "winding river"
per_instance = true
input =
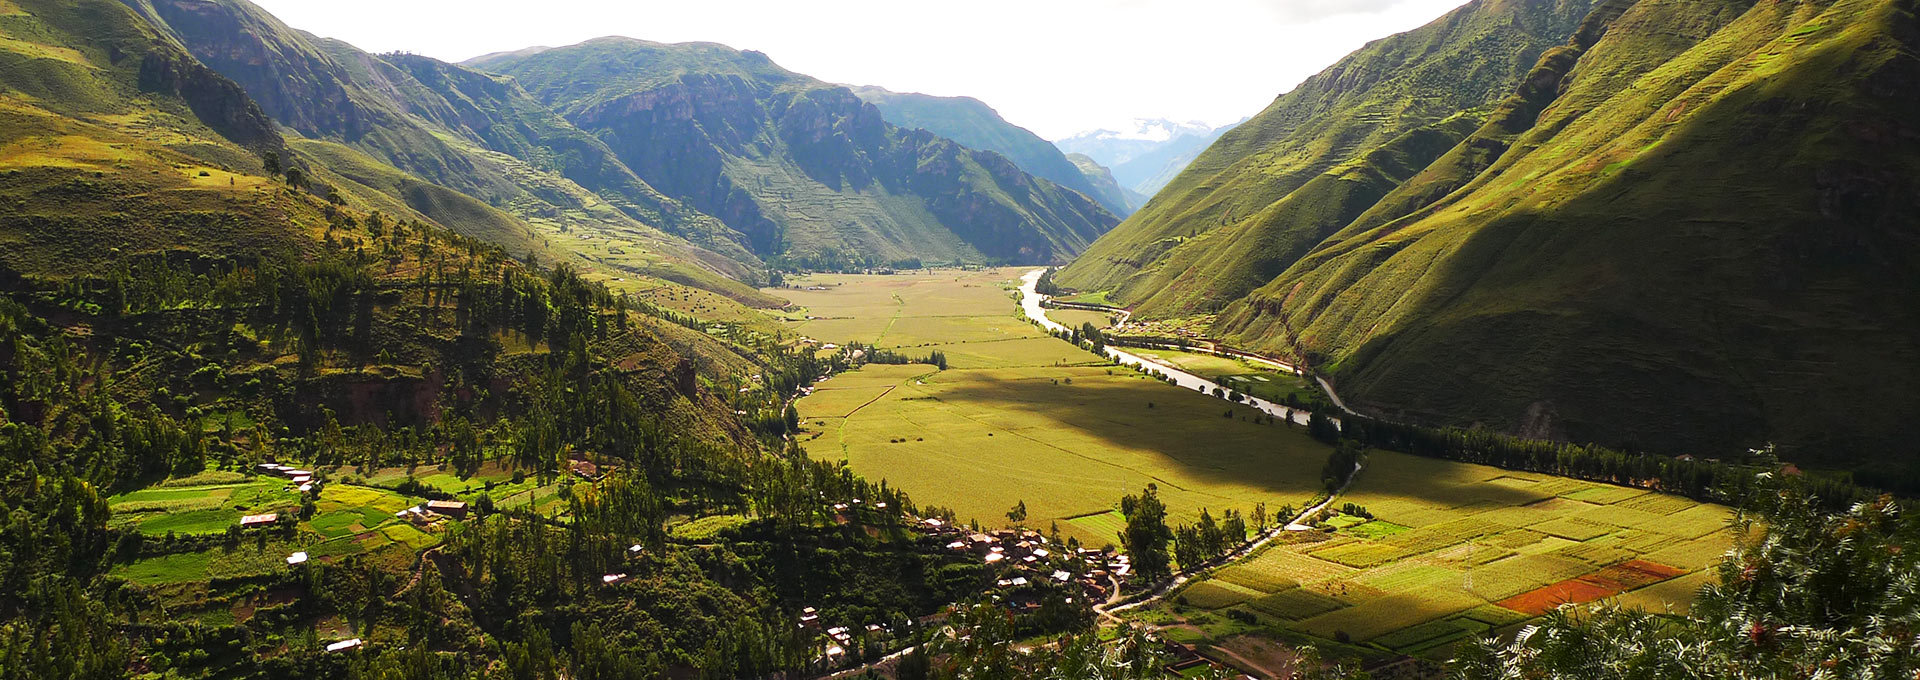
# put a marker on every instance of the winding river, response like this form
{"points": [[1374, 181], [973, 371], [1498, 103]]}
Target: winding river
{"points": [[1030, 300]]}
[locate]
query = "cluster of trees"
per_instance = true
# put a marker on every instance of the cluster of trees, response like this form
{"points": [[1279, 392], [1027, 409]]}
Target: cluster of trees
{"points": [[1700, 479], [875, 355], [1206, 539], [1046, 285], [1146, 536], [1345, 459]]}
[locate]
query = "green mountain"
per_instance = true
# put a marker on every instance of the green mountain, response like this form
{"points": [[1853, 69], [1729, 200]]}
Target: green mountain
{"points": [[1688, 229], [525, 177], [1103, 182], [1274, 186], [972, 123], [807, 172]]}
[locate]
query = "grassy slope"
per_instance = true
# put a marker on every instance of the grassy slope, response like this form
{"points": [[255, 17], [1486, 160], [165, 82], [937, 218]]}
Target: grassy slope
{"points": [[971, 122], [804, 169], [1320, 141], [1706, 241]]}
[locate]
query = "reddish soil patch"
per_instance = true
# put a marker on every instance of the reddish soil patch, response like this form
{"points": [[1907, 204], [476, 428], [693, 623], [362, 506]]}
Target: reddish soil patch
{"points": [[1606, 582]]}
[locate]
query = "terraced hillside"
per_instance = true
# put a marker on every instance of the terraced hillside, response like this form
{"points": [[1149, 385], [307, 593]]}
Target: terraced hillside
{"points": [[1690, 229], [808, 173]]}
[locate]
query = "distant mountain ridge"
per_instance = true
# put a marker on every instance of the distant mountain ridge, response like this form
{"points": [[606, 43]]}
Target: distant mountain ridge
{"points": [[971, 122], [460, 147], [1148, 155], [474, 150], [808, 173]]}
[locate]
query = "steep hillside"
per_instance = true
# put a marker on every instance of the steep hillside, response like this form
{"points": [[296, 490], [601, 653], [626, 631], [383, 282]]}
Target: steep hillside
{"points": [[1273, 187], [806, 171], [1706, 241], [972, 123], [478, 135], [1103, 182]]}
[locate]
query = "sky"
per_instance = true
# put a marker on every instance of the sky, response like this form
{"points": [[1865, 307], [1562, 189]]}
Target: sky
{"points": [[1056, 67]]}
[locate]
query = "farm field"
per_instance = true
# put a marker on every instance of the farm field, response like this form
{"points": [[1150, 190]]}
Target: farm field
{"points": [[1073, 318], [1260, 381], [972, 315], [1459, 549], [1021, 416], [355, 515]]}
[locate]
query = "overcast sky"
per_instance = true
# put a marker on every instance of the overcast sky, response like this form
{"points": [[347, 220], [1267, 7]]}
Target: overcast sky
{"points": [[1056, 67]]}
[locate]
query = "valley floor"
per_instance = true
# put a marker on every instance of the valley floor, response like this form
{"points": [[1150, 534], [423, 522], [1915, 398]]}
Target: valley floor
{"points": [[1438, 551]]}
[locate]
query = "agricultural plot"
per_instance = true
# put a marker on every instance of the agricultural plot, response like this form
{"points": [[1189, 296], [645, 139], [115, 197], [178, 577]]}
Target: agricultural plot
{"points": [[347, 519], [200, 509], [972, 316], [1462, 549], [1021, 416], [1068, 441], [1074, 318], [1247, 377]]}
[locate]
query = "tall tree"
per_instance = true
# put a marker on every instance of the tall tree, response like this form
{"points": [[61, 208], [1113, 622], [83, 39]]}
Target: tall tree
{"points": [[1146, 536]]}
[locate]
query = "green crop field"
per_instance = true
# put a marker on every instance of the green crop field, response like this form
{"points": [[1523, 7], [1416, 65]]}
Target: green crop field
{"points": [[1259, 380], [1020, 416], [1452, 540], [1073, 318]]}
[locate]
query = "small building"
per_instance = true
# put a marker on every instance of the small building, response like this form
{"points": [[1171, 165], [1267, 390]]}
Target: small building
{"points": [[251, 521], [344, 645], [297, 558], [585, 469], [454, 509], [611, 579]]}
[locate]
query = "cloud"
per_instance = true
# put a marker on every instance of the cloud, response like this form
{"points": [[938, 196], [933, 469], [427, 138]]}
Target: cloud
{"points": [[1314, 10], [1056, 67]]}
